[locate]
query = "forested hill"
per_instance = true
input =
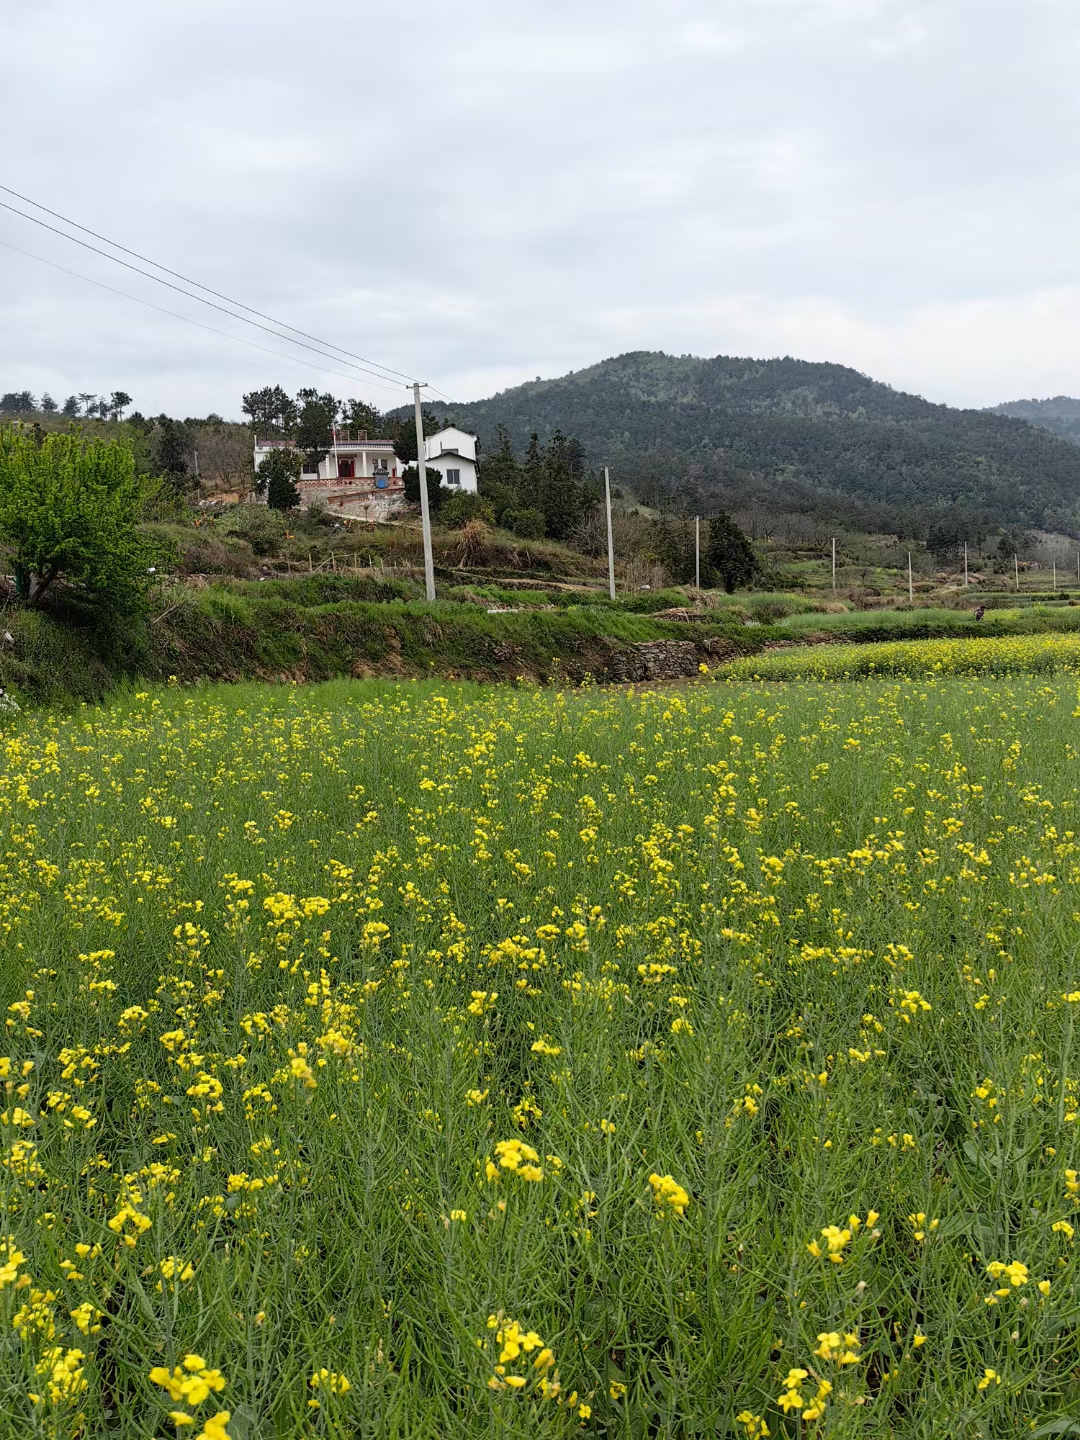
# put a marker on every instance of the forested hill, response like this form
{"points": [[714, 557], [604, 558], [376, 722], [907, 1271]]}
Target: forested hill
{"points": [[812, 437], [1061, 414]]}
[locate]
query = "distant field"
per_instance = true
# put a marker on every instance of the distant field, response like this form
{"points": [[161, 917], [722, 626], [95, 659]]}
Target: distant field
{"points": [[434, 1061], [1034, 654]]}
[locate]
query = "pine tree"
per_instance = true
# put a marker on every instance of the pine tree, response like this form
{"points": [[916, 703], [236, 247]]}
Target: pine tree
{"points": [[277, 475], [729, 553]]}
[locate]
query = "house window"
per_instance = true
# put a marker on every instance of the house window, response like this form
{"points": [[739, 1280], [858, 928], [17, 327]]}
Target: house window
{"points": [[453, 477]]}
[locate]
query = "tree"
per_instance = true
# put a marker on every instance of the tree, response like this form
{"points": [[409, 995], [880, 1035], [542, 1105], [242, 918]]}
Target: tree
{"points": [[71, 406], [315, 421], [170, 448], [118, 404], [48, 404], [500, 477], [277, 475], [17, 402], [88, 401], [435, 492], [270, 409], [70, 509], [729, 553], [360, 416]]}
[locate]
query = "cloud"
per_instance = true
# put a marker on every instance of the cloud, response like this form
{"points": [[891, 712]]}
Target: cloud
{"points": [[518, 190]]}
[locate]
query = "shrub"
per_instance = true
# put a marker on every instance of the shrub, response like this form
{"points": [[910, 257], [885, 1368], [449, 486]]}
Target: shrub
{"points": [[457, 510], [529, 524], [261, 527]]}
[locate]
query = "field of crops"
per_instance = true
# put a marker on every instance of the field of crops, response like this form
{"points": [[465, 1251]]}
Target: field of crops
{"points": [[418, 1061], [1039, 654]]}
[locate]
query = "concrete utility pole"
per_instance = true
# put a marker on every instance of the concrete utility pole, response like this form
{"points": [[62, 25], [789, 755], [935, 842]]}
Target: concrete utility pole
{"points": [[965, 563], [1016, 573], [910, 583], [425, 513], [697, 552], [610, 539], [1055, 577], [834, 564]]}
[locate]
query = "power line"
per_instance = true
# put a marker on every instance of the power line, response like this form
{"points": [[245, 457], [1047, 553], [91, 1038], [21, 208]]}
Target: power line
{"points": [[198, 284], [293, 359], [180, 291]]}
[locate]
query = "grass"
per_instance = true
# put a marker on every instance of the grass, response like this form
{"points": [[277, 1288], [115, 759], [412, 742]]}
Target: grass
{"points": [[700, 1058]]}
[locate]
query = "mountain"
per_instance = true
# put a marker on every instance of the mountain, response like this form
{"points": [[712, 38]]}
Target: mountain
{"points": [[1061, 414], [793, 435]]}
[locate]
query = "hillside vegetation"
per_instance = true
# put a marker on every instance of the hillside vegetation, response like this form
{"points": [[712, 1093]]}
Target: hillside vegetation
{"points": [[794, 436]]}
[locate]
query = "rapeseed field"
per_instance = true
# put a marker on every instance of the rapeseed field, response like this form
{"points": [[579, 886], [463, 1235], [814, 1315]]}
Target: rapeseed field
{"points": [[419, 1061], [1035, 654]]}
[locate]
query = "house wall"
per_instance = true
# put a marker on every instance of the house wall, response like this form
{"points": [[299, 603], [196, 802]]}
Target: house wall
{"points": [[450, 439], [442, 463]]}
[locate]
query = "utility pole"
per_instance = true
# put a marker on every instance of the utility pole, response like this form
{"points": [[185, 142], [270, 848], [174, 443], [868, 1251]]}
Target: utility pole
{"points": [[965, 563], [1055, 577], [610, 539], [834, 563], [198, 479], [910, 584], [697, 552], [1016, 573], [425, 513]]}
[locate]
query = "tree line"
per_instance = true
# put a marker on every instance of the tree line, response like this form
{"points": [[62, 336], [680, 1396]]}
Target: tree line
{"points": [[85, 405]]}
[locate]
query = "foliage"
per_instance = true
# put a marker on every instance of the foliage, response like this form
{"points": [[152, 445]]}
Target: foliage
{"points": [[262, 527], [461, 506], [316, 417], [550, 481], [436, 490], [792, 436], [528, 523], [271, 410], [729, 554], [69, 511], [17, 402], [277, 477], [739, 1018]]}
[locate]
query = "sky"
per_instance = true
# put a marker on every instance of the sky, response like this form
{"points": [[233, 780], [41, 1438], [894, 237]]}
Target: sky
{"points": [[481, 193]]}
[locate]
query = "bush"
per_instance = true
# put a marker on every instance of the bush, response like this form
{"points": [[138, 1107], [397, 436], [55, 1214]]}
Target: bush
{"points": [[529, 524], [261, 527], [457, 510]]}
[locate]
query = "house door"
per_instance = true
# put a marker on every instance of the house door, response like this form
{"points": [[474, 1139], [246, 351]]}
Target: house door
{"points": [[346, 469]]}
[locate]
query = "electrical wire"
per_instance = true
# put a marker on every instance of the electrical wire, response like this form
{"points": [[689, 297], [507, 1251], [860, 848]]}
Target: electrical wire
{"points": [[293, 359], [180, 291], [199, 285]]}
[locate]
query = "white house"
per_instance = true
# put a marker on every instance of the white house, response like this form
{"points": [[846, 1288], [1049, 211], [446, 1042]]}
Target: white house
{"points": [[453, 453], [357, 477]]}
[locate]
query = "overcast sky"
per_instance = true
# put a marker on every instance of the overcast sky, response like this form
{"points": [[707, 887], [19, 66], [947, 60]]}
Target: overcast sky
{"points": [[481, 192]]}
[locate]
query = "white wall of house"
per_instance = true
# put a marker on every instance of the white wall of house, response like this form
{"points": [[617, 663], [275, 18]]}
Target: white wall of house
{"points": [[453, 453]]}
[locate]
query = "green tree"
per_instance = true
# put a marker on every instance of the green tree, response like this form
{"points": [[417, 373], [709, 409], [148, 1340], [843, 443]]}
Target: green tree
{"points": [[48, 404], [69, 510], [271, 410], [500, 477], [729, 553], [170, 448], [118, 403], [277, 476], [17, 402], [435, 490], [317, 415]]}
